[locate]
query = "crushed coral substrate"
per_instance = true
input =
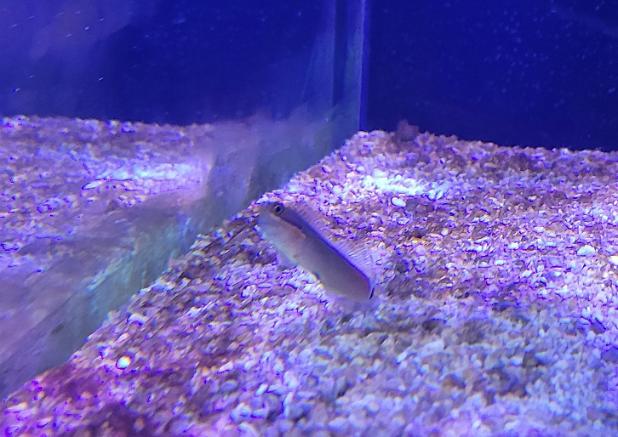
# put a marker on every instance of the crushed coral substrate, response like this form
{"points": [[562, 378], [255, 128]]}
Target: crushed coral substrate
{"points": [[497, 314]]}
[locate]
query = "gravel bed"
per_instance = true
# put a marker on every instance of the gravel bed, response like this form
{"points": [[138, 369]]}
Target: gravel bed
{"points": [[497, 313]]}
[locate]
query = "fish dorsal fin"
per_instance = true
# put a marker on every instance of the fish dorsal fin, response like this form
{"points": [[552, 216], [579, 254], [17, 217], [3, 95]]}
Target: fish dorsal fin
{"points": [[314, 219], [359, 254]]}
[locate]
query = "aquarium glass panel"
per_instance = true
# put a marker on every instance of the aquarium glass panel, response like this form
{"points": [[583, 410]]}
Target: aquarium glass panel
{"points": [[128, 127]]}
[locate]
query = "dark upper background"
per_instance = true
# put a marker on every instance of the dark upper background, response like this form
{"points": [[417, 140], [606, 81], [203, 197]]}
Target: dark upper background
{"points": [[528, 72], [174, 61]]}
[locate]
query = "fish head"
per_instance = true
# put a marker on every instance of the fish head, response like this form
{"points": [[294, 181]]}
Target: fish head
{"points": [[270, 215], [279, 214], [274, 208], [278, 224]]}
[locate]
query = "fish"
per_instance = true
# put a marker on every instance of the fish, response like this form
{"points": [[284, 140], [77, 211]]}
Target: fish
{"points": [[301, 240]]}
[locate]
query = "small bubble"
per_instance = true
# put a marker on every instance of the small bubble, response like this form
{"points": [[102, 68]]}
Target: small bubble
{"points": [[123, 362]]}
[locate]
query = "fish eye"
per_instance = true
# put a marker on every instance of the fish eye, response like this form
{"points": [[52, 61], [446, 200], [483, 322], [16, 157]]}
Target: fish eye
{"points": [[278, 208]]}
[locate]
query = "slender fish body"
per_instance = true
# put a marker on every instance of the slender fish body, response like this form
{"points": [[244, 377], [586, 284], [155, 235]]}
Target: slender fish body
{"points": [[299, 238]]}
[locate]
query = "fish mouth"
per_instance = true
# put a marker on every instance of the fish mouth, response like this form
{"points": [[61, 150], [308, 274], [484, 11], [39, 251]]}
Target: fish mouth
{"points": [[260, 209], [264, 218], [263, 207]]}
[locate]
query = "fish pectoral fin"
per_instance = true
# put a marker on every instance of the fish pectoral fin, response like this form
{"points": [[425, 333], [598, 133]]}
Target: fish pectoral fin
{"points": [[285, 261]]}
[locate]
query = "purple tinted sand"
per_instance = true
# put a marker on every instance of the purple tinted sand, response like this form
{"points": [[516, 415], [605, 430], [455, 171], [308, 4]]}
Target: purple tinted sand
{"points": [[498, 311]]}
